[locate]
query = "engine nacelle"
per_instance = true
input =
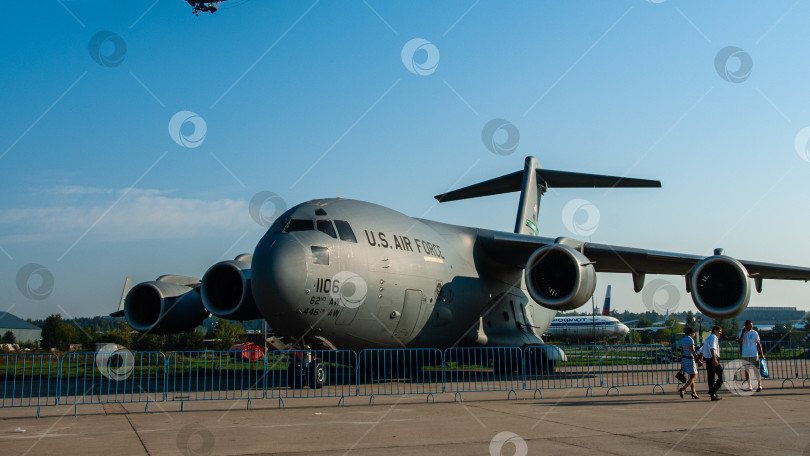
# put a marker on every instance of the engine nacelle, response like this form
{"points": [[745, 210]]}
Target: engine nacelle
{"points": [[163, 308], [559, 277], [719, 286], [226, 290]]}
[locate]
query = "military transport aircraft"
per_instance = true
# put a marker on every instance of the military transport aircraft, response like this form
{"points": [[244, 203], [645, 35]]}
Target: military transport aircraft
{"points": [[339, 273]]}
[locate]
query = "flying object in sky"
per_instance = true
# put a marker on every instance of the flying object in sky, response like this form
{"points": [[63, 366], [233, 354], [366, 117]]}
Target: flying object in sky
{"points": [[197, 6], [340, 273]]}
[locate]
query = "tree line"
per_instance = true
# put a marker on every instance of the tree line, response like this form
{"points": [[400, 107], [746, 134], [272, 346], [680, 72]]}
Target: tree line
{"points": [[60, 334]]}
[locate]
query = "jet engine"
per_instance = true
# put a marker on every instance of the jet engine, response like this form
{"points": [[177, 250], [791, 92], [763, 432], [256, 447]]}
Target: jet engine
{"points": [[559, 277], [226, 290], [165, 306], [719, 286]]}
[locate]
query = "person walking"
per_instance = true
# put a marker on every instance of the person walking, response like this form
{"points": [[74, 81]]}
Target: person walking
{"points": [[710, 351], [749, 341], [688, 360]]}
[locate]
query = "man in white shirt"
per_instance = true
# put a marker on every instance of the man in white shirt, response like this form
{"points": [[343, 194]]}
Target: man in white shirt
{"points": [[710, 351], [749, 342]]}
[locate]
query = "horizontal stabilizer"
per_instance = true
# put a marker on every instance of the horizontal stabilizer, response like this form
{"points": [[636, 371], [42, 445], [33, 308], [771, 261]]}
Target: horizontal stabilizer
{"points": [[546, 178]]}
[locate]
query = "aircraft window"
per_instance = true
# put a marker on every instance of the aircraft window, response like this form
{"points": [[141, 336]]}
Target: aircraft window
{"points": [[345, 231], [299, 225], [320, 255], [281, 221], [326, 227], [320, 211], [279, 224]]}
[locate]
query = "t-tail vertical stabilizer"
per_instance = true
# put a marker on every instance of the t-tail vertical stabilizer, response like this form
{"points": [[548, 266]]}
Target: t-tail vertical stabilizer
{"points": [[530, 194], [533, 183]]}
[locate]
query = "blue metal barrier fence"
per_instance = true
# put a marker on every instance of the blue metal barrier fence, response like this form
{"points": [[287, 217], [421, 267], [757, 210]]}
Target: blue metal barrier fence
{"points": [[483, 369], [580, 369], [122, 376], [29, 379], [400, 371], [118, 376]]}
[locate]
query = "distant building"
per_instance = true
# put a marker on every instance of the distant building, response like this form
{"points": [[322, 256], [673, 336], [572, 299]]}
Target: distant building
{"points": [[22, 330], [767, 316]]}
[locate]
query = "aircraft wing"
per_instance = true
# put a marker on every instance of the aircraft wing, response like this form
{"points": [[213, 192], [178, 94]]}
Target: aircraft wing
{"points": [[515, 249]]}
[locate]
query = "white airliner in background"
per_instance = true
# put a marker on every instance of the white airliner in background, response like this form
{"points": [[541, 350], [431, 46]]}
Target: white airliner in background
{"points": [[588, 327]]}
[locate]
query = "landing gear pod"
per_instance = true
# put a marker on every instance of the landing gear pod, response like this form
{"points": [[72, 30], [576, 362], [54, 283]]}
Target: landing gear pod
{"points": [[719, 286], [559, 277]]}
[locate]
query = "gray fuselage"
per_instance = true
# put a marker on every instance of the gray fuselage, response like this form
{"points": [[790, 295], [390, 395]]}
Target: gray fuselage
{"points": [[401, 282]]}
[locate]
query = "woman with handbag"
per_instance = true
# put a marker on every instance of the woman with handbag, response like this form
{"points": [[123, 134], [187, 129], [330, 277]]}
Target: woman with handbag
{"points": [[688, 360]]}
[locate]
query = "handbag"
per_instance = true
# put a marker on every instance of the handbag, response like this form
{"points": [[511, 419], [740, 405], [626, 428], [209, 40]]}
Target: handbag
{"points": [[681, 376], [763, 369]]}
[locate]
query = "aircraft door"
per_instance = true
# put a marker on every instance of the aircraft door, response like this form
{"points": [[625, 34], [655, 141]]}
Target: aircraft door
{"points": [[411, 310]]}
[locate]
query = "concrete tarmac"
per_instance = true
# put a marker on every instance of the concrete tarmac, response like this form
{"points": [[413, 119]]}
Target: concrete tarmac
{"points": [[566, 422]]}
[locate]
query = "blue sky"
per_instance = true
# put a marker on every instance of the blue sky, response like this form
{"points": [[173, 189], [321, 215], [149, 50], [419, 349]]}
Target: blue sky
{"points": [[312, 99]]}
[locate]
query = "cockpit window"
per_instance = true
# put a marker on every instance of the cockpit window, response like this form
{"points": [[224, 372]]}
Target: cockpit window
{"points": [[320, 255], [326, 227], [299, 225], [345, 231], [279, 224]]}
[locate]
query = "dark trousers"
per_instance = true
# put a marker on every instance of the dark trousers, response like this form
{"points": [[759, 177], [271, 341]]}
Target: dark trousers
{"points": [[711, 372]]}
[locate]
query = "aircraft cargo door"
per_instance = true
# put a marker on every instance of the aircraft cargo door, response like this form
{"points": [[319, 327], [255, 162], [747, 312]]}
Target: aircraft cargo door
{"points": [[413, 307]]}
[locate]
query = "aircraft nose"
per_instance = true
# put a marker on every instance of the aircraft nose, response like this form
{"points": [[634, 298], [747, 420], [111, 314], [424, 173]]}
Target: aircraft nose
{"points": [[278, 274]]}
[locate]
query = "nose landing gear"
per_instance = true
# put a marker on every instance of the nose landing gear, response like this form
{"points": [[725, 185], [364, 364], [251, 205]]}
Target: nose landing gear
{"points": [[304, 368]]}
